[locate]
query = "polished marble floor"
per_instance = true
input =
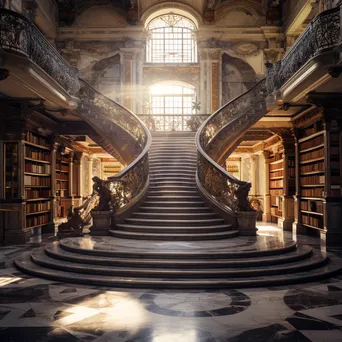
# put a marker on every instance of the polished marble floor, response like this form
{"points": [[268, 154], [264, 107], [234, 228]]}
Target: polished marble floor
{"points": [[34, 309]]}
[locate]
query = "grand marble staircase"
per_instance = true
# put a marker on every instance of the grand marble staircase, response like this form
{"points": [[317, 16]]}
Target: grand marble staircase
{"points": [[175, 241], [173, 209]]}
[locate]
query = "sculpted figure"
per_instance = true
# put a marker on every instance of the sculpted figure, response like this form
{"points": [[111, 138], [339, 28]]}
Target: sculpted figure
{"points": [[104, 194], [242, 197], [73, 227]]}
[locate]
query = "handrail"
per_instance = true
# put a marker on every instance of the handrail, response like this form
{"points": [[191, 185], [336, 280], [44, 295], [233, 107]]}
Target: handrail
{"points": [[19, 35], [103, 112], [323, 33], [225, 127]]}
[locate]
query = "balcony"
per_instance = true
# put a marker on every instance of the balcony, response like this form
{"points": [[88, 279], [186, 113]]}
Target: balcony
{"points": [[36, 69], [307, 64]]}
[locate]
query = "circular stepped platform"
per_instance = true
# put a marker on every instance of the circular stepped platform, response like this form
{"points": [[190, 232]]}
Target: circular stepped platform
{"points": [[174, 240], [241, 262]]}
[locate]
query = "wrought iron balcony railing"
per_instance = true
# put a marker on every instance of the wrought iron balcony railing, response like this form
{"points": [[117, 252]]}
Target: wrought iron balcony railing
{"points": [[19, 35], [322, 34], [173, 122], [217, 138]]}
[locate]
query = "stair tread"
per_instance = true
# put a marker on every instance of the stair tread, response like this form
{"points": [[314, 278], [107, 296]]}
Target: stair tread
{"points": [[39, 256], [25, 264], [127, 225], [173, 221], [55, 250]]}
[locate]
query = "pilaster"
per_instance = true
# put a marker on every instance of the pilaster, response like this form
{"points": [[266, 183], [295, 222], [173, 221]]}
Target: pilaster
{"points": [[266, 217], [90, 174]]}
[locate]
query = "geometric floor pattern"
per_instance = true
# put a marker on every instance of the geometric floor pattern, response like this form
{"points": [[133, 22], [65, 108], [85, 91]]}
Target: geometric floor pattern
{"points": [[37, 310]]}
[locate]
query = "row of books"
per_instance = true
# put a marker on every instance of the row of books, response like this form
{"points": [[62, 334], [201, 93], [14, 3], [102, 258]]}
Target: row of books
{"points": [[312, 155], [62, 176], [38, 206], [291, 172], [276, 192], [312, 142], [316, 221], [277, 174], [37, 193], [276, 166], [62, 167], [314, 128], [41, 168], [276, 183], [316, 166], [313, 179], [32, 221], [312, 192], [34, 153], [313, 206], [36, 180], [62, 193], [36, 139]]}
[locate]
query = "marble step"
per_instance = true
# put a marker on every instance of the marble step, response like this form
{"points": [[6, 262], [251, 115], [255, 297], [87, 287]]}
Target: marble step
{"points": [[161, 215], [181, 209], [174, 222], [174, 236], [171, 230], [180, 174], [163, 192], [55, 251], [190, 179], [38, 256], [167, 169], [171, 187], [174, 203], [24, 263], [158, 181], [72, 245], [173, 163], [172, 154]]}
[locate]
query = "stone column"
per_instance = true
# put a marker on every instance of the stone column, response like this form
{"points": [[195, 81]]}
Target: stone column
{"points": [[204, 93], [254, 188], [71, 176], [128, 56], [266, 216], [214, 55], [90, 174]]}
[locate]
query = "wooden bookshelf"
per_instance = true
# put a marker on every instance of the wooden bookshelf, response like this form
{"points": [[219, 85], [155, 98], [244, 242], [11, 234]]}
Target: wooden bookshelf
{"points": [[62, 184], [37, 181], [281, 181], [312, 175]]}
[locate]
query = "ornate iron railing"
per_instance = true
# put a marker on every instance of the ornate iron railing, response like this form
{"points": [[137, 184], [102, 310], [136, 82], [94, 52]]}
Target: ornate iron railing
{"points": [[173, 122], [217, 138], [323, 33], [19, 35], [126, 132]]}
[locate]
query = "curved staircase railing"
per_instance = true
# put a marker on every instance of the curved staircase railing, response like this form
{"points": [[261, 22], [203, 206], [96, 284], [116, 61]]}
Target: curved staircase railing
{"points": [[120, 132], [217, 138]]}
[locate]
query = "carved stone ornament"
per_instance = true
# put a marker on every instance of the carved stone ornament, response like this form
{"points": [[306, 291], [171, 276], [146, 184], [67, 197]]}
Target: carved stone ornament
{"points": [[246, 49]]}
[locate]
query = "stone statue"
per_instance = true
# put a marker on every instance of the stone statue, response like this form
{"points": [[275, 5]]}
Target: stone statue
{"points": [[104, 194], [242, 197], [73, 227]]}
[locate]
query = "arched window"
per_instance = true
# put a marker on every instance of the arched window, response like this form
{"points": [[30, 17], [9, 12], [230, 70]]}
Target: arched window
{"points": [[172, 97], [171, 40]]}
